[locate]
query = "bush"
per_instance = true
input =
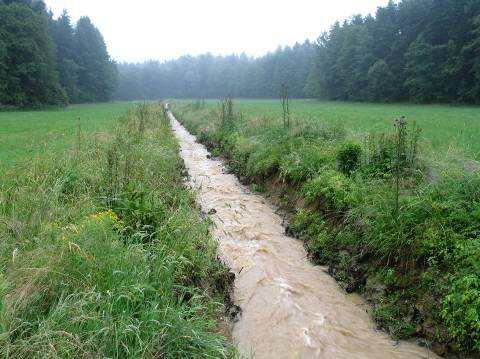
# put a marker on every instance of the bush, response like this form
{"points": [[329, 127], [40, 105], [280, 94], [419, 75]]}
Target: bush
{"points": [[332, 189], [348, 157], [461, 312], [304, 162]]}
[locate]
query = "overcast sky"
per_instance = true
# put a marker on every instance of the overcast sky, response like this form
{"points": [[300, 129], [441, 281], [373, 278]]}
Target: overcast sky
{"points": [[154, 29]]}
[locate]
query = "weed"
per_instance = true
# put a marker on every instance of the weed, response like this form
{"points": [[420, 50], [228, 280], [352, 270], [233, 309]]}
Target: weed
{"points": [[415, 259], [226, 110], [349, 157], [285, 106], [107, 255]]}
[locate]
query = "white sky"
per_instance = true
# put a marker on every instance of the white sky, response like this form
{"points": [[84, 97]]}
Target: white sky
{"points": [[147, 29]]}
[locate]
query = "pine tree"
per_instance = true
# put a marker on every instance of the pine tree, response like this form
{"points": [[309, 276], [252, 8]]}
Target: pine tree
{"points": [[28, 57], [97, 73], [380, 82], [63, 36]]}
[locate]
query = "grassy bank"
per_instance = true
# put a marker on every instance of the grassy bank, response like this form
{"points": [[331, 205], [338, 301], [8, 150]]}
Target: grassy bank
{"points": [[389, 223], [103, 252], [449, 130]]}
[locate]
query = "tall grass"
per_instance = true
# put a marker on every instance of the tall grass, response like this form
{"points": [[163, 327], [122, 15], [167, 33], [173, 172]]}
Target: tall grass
{"points": [[104, 253], [368, 206]]}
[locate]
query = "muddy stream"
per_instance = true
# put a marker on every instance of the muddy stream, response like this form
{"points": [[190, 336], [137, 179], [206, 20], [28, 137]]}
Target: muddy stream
{"points": [[290, 308]]}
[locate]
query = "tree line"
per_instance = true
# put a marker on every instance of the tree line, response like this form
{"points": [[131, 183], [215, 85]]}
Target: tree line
{"points": [[414, 50], [208, 76], [410, 50], [46, 61]]}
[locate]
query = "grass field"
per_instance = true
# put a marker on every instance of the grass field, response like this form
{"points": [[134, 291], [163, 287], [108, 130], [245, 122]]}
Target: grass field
{"points": [[445, 128], [394, 213], [103, 252], [25, 135]]}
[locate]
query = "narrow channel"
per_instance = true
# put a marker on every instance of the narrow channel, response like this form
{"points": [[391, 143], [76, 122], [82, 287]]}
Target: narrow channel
{"points": [[290, 308]]}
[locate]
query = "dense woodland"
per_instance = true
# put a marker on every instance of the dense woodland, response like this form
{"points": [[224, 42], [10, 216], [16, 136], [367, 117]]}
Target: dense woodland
{"points": [[47, 61], [411, 50], [208, 76]]}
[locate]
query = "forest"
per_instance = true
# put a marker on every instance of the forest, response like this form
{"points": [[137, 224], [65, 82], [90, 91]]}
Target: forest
{"points": [[50, 62], [423, 51], [414, 50], [208, 76]]}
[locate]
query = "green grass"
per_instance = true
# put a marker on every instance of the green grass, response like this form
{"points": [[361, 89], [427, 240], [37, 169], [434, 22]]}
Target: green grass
{"points": [[28, 135], [412, 250], [103, 252], [445, 128]]}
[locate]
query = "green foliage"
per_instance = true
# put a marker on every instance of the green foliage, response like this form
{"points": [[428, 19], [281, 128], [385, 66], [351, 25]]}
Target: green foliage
{"points": [[393, 154], [28, 74], [304, 162], [411, 50], [334, 190], [226, 111], [107, 258], [97, 72], [208, 76], [349, 157], [380, 82], [64, 37], [265, 162], [461, 311], [423, 71], [42, 63], [410, 248]]}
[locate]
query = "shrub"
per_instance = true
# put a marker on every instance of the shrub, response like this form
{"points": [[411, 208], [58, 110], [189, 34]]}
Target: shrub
{"points": [[461, 312], [333, 189], [305, 162], [348, 157]]}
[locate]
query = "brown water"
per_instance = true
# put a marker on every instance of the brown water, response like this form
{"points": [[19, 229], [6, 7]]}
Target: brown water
{"points": [[290, 308]]}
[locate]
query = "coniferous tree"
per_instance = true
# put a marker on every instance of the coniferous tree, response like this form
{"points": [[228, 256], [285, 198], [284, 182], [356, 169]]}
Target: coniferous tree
{"points": [[208, 76], [426, 49], [97, 72], [63, 36], [38, 58], [30, 77]]}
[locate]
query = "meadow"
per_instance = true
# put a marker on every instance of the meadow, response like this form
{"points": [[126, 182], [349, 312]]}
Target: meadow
{"points": [[103, 252], [446, 128], [391, 207], [30, 134]]}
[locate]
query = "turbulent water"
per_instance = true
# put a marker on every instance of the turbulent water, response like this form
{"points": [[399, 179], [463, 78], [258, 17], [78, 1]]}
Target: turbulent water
{"points": [[290, 308]]}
